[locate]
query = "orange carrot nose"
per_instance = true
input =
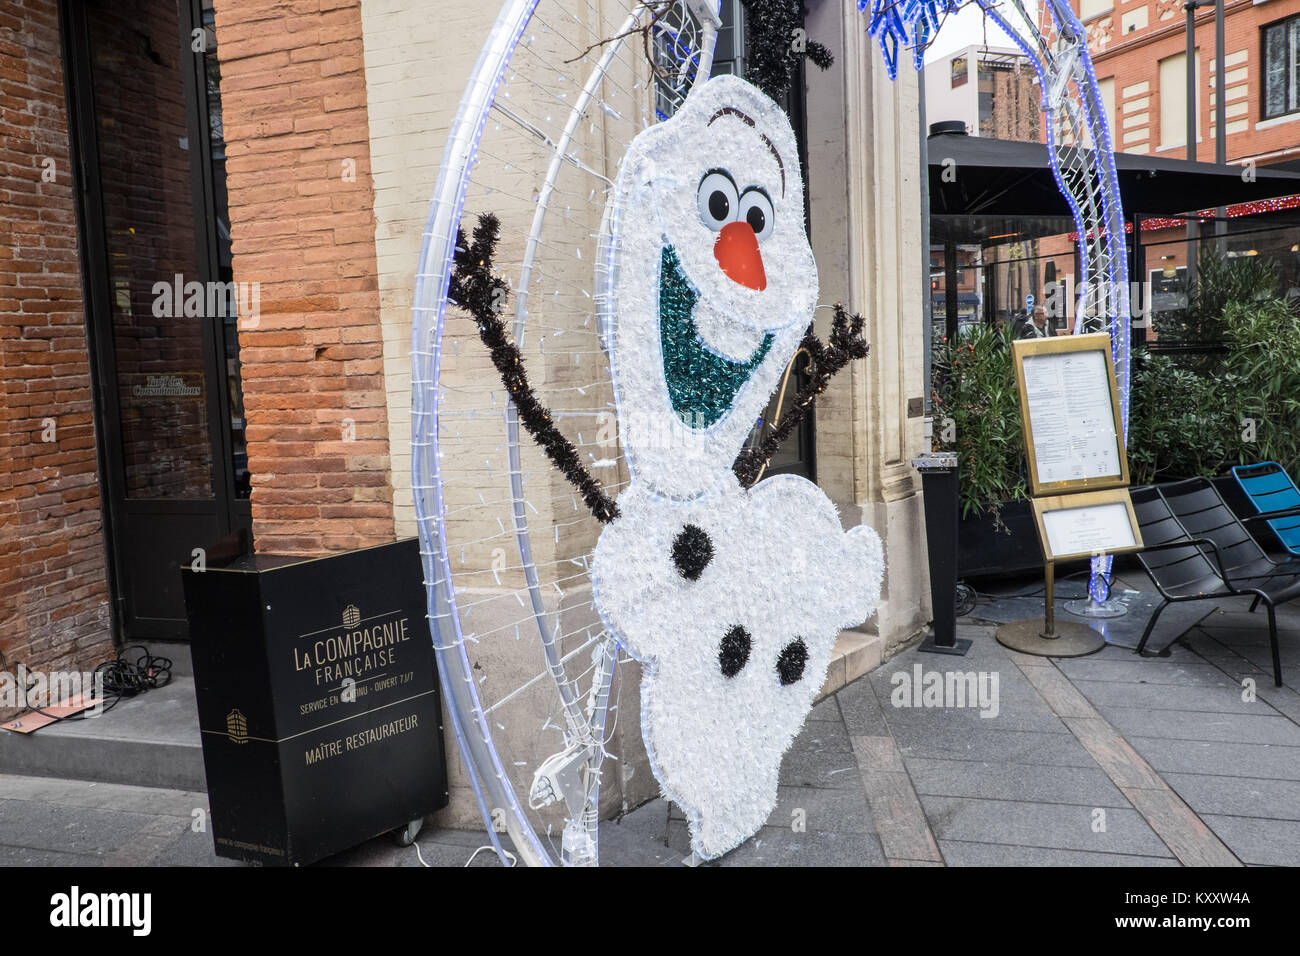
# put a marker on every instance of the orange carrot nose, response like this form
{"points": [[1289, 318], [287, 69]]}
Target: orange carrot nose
{"points": [[736, 250]]}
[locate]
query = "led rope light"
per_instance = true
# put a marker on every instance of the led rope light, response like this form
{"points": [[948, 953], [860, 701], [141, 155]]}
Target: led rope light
{"points": [[1086, 177]]}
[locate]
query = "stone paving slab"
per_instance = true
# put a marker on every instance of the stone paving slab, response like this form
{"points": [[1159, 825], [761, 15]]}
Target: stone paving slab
{"points": [[11, 855], [1220, 759], [826, 809], [104, 796], [971, 741], [1135, 670], [958, 853], [1251, 630], [782, 846], [92, 832], [966, 721], [828, 709], [1202, 726], [1238, 796], [1084, 786], [1059, 826], [1258, 841], [820, 768], [1212, 699], [861, 710]]}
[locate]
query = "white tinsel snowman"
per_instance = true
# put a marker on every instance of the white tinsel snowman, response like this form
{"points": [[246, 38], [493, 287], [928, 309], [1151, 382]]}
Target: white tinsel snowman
{"points": [[730, 597]]}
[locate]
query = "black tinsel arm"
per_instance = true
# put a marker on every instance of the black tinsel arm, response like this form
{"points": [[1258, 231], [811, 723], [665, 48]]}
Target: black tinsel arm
{"points": [[772, 52], [824, 361], [481, 293]]}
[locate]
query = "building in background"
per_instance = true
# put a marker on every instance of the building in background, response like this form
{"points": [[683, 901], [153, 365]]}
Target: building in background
{"points": [[1139, 50], [994, 93], [993, 90]]}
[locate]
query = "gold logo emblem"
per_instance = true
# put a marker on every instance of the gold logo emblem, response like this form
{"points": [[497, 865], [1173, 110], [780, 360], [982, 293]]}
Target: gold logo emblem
{"points": [[351, 616], [237, 727]]}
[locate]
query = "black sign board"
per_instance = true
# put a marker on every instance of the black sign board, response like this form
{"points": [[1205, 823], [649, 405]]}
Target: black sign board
{"points": [[318, 700]]}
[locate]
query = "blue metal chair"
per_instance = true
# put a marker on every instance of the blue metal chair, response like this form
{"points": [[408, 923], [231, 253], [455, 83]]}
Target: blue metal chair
{"points": [[1269, 488]]}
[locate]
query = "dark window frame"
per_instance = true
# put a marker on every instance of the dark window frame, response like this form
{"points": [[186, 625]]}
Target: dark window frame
{"points": [[1293, 56]]}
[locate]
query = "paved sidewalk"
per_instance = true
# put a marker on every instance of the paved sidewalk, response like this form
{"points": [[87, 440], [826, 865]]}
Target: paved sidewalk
{"points": [[1109, 760]]}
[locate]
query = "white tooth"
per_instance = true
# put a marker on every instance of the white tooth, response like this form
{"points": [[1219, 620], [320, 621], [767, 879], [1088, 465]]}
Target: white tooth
{"points": [[723, 334]]}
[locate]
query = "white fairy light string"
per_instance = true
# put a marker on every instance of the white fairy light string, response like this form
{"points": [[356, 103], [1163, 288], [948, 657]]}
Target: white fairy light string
{"points": [[526, 107], [551, 90], [1080, 151]]}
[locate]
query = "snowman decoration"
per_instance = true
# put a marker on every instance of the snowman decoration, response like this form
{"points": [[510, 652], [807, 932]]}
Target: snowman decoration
{"points": [[730, 597]]}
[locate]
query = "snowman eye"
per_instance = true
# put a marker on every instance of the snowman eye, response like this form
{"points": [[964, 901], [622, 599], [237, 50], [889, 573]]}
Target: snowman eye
{"points": [[716, 199], [756, 209]]}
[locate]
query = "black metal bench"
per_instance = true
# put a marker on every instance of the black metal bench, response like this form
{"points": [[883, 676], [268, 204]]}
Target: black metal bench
{"points": [[1197, 549]]}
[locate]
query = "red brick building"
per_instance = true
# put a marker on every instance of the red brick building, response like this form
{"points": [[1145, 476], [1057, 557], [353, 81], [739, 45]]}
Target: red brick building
{"points": [[54, 596], [1139, 53], [189, 329], [212, 215]]}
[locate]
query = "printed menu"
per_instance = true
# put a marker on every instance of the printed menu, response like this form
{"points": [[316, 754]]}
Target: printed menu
{"points": [[1092, 529], [1071, 416]]}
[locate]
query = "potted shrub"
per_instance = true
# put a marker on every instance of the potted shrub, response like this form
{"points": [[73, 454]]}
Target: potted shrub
{"points": [[1232, 394], [977, 415]]}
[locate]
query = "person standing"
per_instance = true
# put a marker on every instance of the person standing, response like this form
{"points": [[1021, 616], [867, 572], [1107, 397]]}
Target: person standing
{"points": [[1034, 328]]}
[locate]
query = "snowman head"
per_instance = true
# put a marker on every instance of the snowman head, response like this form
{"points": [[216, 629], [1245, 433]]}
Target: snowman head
{"points": [[711, 282]]}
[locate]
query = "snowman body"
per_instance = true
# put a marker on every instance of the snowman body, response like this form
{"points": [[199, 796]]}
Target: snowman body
{"points": [[731, 598]]}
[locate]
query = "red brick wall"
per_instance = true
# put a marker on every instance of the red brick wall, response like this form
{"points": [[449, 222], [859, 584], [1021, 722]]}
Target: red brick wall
{"points": [[1134, 57], [293, 97], [53, 593]]}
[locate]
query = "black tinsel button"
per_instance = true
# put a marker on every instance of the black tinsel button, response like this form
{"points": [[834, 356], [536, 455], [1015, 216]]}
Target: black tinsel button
{"points": [[734, 652], [790, 665], [692, 551]]}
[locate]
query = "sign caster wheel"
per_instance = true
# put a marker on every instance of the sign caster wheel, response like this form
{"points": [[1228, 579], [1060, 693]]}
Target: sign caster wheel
{"points": [[405, 836]]}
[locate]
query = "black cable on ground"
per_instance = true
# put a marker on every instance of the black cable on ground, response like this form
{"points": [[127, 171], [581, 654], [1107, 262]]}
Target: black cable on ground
{"points": [[128, 675]]}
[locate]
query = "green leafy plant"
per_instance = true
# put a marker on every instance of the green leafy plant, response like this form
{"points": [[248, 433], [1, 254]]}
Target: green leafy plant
{"points": [[1233, 397], [1195, 413], [1219, 280], [1263, 339], [1183, 424], [977, 415]]}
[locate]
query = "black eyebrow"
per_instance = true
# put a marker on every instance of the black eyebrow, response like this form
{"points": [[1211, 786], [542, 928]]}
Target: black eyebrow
{"points": [[748, 121], [719, 169]]}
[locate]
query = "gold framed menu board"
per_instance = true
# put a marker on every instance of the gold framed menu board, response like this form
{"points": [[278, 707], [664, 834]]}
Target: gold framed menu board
{"points": [[1086, 525], [1069, 410]]}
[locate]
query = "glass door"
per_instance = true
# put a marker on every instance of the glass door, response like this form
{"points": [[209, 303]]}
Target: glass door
{"points": [[160, 307]]}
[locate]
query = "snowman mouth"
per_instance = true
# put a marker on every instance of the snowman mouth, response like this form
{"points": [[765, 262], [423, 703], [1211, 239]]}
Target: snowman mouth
{"points": [[701, 383]]}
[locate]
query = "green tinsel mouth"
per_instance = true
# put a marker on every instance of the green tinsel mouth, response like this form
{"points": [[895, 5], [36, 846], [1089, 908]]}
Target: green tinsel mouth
{"points": [[701, 383]]}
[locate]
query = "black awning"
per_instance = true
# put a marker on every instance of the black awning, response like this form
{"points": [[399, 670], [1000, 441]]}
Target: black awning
{"points": [[978, 176]]}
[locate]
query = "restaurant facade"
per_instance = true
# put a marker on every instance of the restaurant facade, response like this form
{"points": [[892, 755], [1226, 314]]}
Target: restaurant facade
{"points": [[213, 214]]}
